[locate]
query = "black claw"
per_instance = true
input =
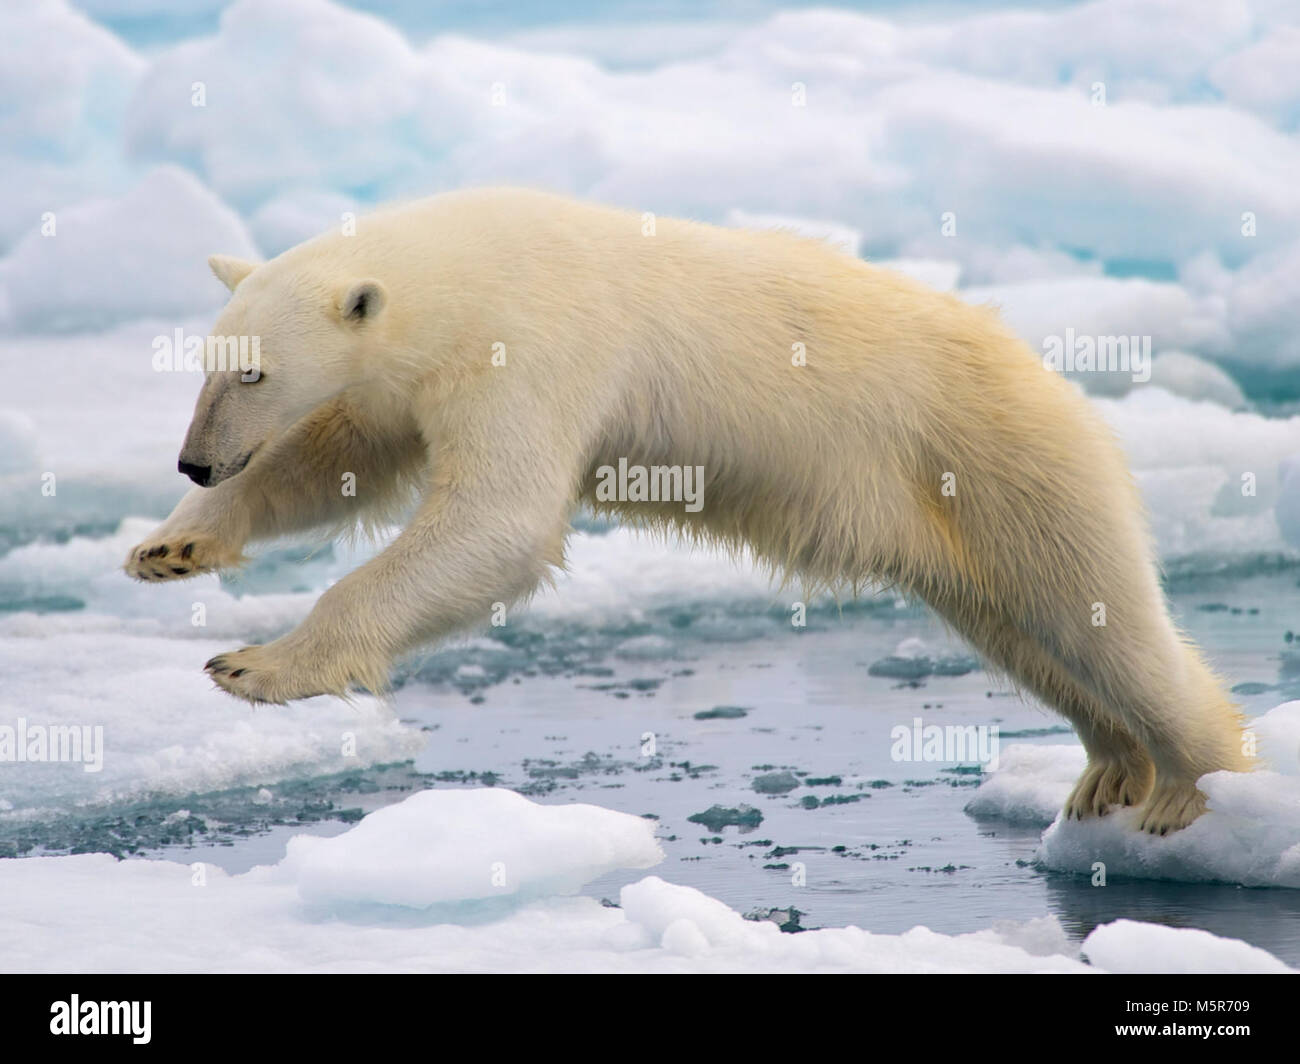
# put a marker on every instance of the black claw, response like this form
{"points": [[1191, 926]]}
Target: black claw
{"points": [[178, 570], [237, 673], [187, 550]]}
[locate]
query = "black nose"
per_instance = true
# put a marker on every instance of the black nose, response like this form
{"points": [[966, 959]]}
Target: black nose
{"points": [[200, 474]]}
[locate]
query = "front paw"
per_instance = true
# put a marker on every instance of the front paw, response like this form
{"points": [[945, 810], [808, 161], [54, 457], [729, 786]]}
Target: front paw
{"points": [[177, 557], [263, 674]]}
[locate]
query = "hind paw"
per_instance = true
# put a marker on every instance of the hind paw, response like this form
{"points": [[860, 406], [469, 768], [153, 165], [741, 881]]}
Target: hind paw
{"points": [[1171, 807], [1107, 783]]}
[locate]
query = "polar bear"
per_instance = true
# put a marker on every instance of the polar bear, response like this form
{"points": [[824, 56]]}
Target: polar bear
{"points": [[494, 350]]}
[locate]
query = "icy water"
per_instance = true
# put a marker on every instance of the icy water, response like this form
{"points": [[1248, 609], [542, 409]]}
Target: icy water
{"points": [[677, 716]]}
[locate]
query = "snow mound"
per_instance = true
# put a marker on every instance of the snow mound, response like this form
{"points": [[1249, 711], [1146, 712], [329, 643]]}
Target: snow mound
{"points": [[66, 83], [346, 82], [297, 216], [90, 82], [110, 260], [468, 845], [1278, 735], [704, 934], [1128, 946], [1196, 379]]}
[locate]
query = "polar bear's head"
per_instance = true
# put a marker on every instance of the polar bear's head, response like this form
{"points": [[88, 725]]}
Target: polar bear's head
{"points": [[286, 343]]}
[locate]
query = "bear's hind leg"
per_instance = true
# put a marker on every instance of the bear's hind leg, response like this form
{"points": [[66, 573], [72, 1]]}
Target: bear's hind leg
{"points": [[1048, 569], [1197, 733], [1119, 771], [1151, 715], [1170, 703], [1159, 720]]}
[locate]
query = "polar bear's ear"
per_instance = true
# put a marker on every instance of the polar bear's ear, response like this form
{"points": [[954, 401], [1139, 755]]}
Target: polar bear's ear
{"points": [[230, 270], [362, 300]]}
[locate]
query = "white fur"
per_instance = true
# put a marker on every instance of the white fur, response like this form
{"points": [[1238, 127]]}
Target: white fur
{"points": [[675, 348]]}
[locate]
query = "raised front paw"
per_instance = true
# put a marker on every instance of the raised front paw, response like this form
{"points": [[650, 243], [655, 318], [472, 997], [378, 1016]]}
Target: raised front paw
{"points": [[176, 557]]}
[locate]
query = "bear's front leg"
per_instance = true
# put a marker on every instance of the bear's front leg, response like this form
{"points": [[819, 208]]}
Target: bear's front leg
{"points": [[480, 538], [341, 645], [290, 487]]}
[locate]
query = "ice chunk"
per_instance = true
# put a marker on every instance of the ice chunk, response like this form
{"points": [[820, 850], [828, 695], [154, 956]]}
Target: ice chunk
{"points": [[1278, 732], [48, 106], [1137, 948], [1030, 784], [1250, 834], [1102, 306], [334, 91], [1195, 378], [143, 254], [1263, 76], [1194, 462], [446, 846], [291, 218], [59, 125]]}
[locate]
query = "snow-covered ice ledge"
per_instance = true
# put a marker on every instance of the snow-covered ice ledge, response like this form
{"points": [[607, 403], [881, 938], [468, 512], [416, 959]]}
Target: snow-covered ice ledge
{"points": [[476, 880]]}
